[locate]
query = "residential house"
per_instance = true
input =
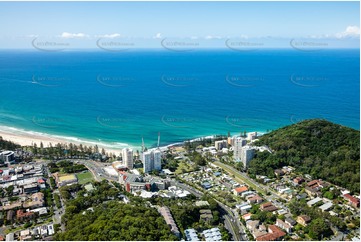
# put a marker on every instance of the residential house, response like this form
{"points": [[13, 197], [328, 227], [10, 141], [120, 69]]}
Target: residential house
{"points": [[290, 221], [254, 199], [314, 201], [21, 216], [313, 187], [353, 201], [325, 207], [298, 181], [206, 215], [246, 216], [239, 190], [274, 233], [252, 225], [268, 206], [303, 220], [284, 225]]}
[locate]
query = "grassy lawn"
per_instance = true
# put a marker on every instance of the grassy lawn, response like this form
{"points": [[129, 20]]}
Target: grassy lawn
{"points": [[85, 177], [183, 167]]}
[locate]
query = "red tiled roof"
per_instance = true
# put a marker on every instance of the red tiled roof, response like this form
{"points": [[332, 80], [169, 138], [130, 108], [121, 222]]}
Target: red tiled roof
{"points": [[241, 189], [267, 204], [351, 198], [275, 234], [20, 214]]}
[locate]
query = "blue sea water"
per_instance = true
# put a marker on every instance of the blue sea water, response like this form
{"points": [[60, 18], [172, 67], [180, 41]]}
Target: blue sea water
{"points": [[117, 98]]}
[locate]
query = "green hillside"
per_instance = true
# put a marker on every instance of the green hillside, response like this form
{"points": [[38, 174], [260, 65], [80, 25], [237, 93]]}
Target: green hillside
{"points": [[317, 147]]}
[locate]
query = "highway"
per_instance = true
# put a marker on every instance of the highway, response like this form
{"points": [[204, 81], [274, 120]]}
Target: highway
{"points": [[97, 169]]}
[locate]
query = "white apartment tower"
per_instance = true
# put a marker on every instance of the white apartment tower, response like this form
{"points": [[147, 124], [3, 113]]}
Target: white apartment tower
{"points": [[127, 156], [239, 142], [152, 160], [247, 154]]}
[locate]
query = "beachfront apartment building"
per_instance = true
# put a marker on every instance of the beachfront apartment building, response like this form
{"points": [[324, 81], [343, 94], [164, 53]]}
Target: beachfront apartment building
{"points": [[152, 160], [238, 144], [127, 156]]}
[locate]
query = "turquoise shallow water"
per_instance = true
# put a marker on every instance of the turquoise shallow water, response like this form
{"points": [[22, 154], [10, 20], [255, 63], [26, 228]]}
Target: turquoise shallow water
{"points": [[116, 98]]}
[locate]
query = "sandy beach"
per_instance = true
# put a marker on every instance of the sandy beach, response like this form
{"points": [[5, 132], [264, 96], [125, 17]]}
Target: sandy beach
{"points": [[29, 139]]}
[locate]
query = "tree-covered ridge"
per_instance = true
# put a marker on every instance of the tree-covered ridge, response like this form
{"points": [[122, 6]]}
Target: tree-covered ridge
{"points": [[317, 147]]}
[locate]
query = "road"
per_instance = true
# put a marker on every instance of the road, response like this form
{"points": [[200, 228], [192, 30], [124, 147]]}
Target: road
{"points": [[97, 169], [58, 213]]}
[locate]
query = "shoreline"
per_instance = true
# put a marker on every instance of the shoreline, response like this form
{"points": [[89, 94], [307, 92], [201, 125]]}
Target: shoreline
{"points": [[28, 138]]}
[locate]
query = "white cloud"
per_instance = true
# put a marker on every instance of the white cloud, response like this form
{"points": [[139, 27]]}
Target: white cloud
{"points": [[212, 37], [67, 35], [351, 31], [158, 36], [31, 36], [110, 36]]}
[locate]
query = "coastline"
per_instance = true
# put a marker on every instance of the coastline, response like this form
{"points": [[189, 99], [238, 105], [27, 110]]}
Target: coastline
{"points": [[28, 138]]}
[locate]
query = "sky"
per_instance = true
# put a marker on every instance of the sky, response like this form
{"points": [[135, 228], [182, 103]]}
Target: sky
{"points": [[81, 24]]}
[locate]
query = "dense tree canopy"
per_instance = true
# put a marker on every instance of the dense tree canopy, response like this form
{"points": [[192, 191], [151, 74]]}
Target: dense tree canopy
{"points": [[317, 147], [117, 221], [99, 215], [7, 145]]}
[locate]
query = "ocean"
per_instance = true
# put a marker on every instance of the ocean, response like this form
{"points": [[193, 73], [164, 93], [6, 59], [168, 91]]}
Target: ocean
{"points": [[116, 98]]}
